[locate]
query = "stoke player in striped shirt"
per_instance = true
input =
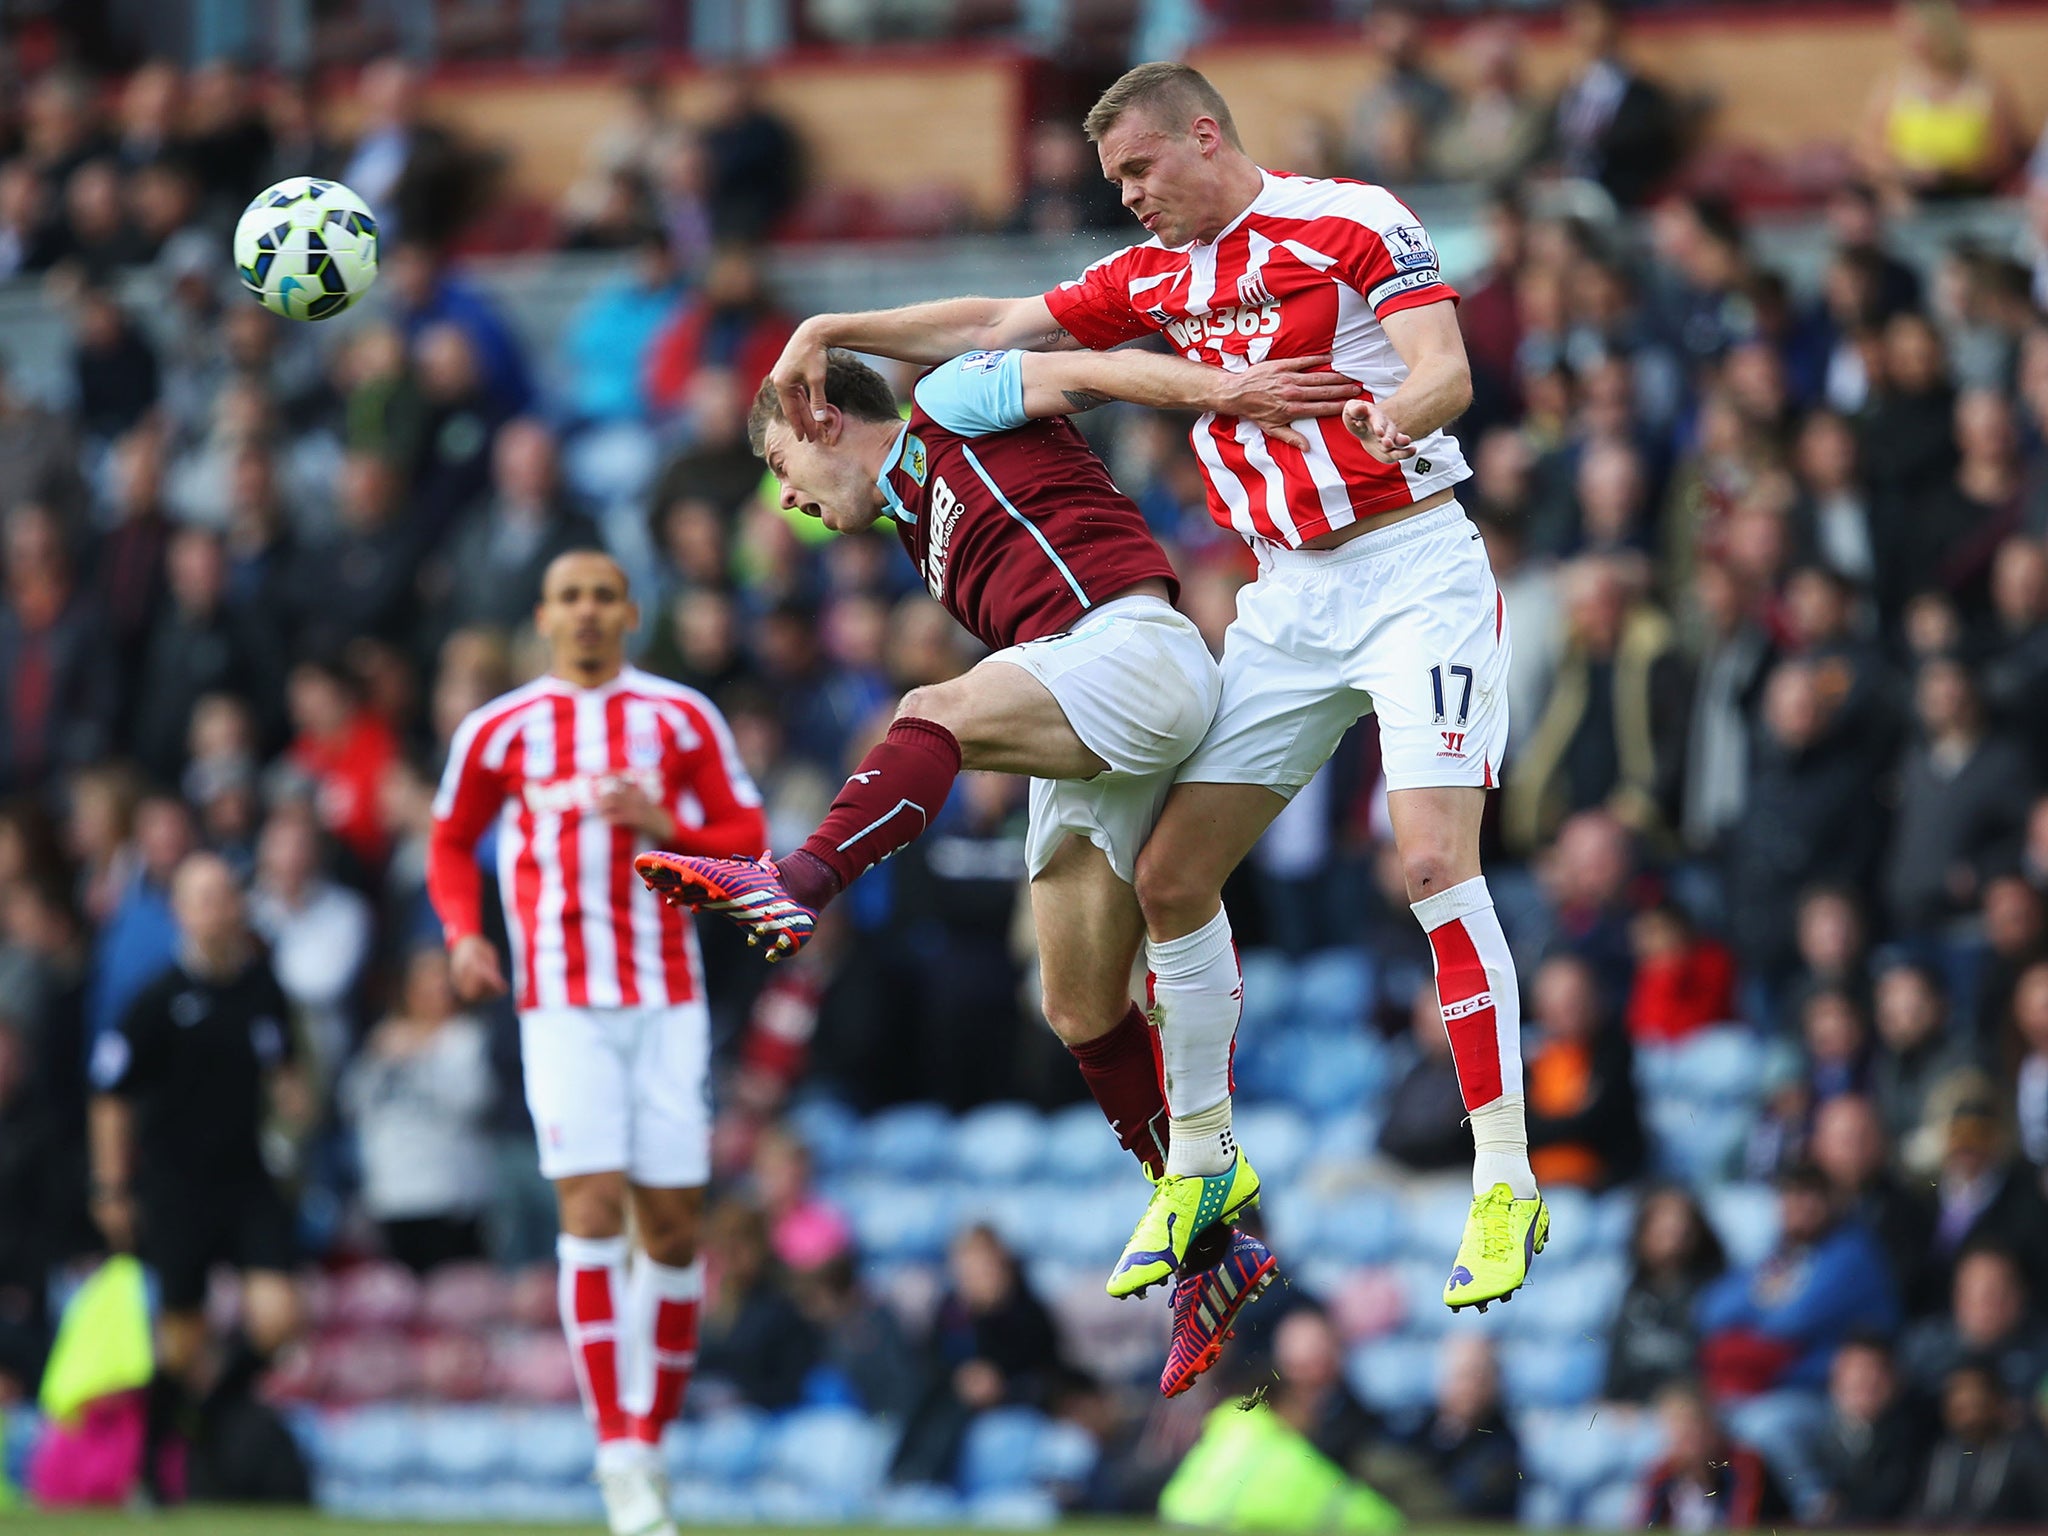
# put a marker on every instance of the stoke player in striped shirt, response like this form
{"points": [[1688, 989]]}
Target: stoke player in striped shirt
{"points": [[1374, 593], [579, 771]]}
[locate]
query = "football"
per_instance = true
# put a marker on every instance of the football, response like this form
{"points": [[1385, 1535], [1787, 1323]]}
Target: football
{"points": [[307, 248]]}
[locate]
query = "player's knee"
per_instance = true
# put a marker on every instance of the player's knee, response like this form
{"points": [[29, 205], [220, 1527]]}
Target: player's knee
{"points": [[927, 702], [667, 1232], [1075, 1016], [1430, 869], [1172, 893], [592, 1206]]}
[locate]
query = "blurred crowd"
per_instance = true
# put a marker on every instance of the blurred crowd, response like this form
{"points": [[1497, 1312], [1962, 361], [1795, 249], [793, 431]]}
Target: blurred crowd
{"points": [[1777, 562]]}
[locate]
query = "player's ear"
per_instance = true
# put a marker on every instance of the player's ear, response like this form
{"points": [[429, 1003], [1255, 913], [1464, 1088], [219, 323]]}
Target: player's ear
{"points": [[831, 421]]}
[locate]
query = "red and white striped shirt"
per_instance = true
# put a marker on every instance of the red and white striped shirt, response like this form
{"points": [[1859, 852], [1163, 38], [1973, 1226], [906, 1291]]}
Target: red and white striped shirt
{"points": [[585, 932], [1310, 267]]}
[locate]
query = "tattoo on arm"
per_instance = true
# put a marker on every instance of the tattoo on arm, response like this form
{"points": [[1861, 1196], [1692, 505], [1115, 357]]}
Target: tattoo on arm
{"points": [[1085, 399], [1058, 337]]}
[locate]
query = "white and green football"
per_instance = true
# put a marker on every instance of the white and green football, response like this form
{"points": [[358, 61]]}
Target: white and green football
{"points": [[307, 248]]}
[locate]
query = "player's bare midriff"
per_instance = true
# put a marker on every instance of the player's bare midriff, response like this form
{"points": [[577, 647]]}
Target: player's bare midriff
{"points": [[1373, 524]]}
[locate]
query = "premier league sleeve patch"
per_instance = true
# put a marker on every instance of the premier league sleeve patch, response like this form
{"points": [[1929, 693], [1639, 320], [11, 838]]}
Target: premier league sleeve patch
{"points": [[1409, 246]]}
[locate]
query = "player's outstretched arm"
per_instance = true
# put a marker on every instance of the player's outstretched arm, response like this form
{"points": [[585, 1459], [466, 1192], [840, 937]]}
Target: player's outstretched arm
{"points": [[1271, 395], [917, 333]]}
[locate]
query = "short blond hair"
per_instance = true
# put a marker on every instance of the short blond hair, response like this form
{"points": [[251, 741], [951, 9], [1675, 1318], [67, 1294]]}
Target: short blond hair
{"points": [[1172, 95]]}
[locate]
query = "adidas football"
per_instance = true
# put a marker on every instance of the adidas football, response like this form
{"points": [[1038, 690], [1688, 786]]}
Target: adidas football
{"points": [[307, 248]]}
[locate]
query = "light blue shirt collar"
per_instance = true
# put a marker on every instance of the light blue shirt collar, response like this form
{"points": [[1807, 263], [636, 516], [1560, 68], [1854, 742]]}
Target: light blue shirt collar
{"points": [[890, 500]]}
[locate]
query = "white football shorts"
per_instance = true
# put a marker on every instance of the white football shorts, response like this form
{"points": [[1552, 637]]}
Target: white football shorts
{"points": [[1138, 685], [1406, 621], [621, 1089]]}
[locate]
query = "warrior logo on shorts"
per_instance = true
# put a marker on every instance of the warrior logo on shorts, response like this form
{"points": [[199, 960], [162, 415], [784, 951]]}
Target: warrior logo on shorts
{"points": [[1454, 744]]}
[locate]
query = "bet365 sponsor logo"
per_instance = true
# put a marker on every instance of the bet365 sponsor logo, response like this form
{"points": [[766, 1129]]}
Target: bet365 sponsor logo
{"points": [[1239, 320]]}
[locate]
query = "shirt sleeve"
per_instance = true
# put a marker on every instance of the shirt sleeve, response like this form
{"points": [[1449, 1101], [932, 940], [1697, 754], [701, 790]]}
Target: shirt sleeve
{"points": [[124, 1058], [716, 806], [1389, 257], [471, 793], [1095, 308], [975, 394]]}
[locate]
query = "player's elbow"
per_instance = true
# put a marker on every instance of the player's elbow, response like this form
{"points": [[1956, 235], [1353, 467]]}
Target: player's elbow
{"points": [[1458, 384]]}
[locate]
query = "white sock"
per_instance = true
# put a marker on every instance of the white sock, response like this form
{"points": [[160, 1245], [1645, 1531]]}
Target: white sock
{"points": [[1197, 996], [1500, 1148], [1481, 1000]]}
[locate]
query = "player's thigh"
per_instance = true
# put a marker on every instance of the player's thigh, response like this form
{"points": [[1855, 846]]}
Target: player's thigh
{"points": [[579, 1088], [1089, 929], [1436, 833], [1006, 721], [1135, 686], [1203, 834], [670, 1143], [1285, 701], [1434, 652]]}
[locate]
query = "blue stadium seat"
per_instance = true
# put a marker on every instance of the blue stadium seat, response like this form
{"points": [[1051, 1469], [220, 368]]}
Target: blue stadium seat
{"points": [[711, 1501], [1723, 1064], [899, 1219], [830, 1130], [1545, 1507], [1571, 1225], [1331, 1071], [1696, 1141], [1552, 1373], [1366, 1227], [918, 1504], [461, 1444], [1746, 1218], [1269, 980], [782, 1503], [1019, 1212], [1066, 1454], [1614, 1221], [553, 1444], [1275, 1139], [1079, 1144], [840, 1450], [1615, 1507], [1001, 1451], [1014, 1509], [726, 1447], [1570, 1301], [998, 1142], [1349, 1135], [910, 1141], [523, 1503], [1334, 990], [1393, 1375], [379, 1444], [1568, 1449], [1433, 1220]]}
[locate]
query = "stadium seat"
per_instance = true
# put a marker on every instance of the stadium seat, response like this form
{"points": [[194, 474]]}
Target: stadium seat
{"points": [[1276, 1139], [1614, 1221], [455, 1367], [1000, 1451], [1566, 1448], [526, 1503], [1393, 1375], [829, 1130], [1366, 1304], [778, 1502], [553, 1445], [916, 1504], [1348, 1136], [899, 1218], [380, 1444], [1545, 1507], [998, 1142], [1433, 1219], [1018, 1212], [836, 1450], [459, 1445], [1120, 1341], [1014, 1509], [366, 1367], [530, 1298], [1746, 1218], [1334, 990], [704, 1501], [1696, 1141], [1066, 1454], [909, 1141], [1571, 1225], [533, 1366], [1723, 1064], [1331, 1071], [1079, 1144], [1615, 1507], [466, 1297], [1269, 982], [1552, 1373], [1569, 1301], [380, 1296], [726, 1447]]}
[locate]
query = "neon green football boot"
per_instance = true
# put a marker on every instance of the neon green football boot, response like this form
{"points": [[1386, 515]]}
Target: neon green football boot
{"points": [[1183, 1206], [1503, 1235]]}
